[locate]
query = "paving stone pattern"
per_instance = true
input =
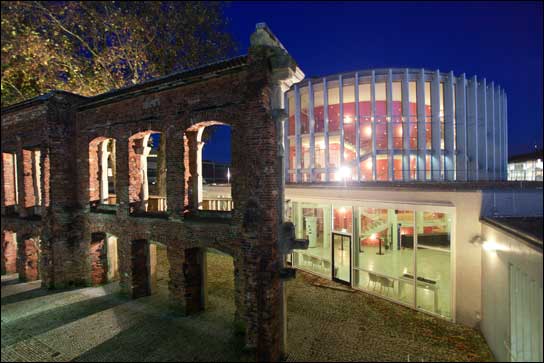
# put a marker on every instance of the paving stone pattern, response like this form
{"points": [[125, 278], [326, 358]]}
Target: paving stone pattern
{"points": [[324, 324]]}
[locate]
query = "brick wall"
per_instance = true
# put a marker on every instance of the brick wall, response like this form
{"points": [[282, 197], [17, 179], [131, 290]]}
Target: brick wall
{"points": [[9, 253], [9, 188], [98, 256], [64, 126]]}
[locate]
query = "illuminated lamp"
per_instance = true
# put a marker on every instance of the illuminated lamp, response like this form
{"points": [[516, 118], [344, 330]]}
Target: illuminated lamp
{"points": [[348, 119]]}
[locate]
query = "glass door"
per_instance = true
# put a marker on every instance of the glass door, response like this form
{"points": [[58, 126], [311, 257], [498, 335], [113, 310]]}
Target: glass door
{"points": [[341, 258]]}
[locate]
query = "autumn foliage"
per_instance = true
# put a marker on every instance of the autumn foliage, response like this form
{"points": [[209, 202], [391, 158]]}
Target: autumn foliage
{"points": [[90, 47]]}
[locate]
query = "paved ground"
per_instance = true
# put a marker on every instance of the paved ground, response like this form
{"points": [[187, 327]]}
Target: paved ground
{"points": [[97, 324]]}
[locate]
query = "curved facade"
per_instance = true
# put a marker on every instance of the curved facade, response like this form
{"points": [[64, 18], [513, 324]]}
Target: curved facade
{"points": [[395, 125]]}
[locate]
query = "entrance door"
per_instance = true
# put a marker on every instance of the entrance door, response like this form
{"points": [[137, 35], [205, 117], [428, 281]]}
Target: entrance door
{"points": [[341, 258]]}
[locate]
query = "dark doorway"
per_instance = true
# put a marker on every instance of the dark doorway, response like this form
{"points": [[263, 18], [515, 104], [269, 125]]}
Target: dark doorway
{"points": [[140, 271]]}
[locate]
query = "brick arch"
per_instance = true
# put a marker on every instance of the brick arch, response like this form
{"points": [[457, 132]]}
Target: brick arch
{"points": [[28, 258], [135, 148], [94, 166]]}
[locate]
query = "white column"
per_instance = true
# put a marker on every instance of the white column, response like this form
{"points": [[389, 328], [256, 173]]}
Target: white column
{"points": [[373, 121], [448, 127], [104, 155], [421, 132], [461, 129], [36, 176], [326, 126], [389, 118], [406, 126], [472, 129], [504, 104], [341, 105], [435, 127], [198, 180], [298, 138], [482, 130], [312, 128], [144, 194], [286, 152], [499, 131], [492, 146], [357, 129]]}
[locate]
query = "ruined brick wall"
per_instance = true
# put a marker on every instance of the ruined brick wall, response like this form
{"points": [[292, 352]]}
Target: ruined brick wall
{"points": [[99, 261], [238, 97], [8, 181], [28, 259], [9, 253], [94, 169]]}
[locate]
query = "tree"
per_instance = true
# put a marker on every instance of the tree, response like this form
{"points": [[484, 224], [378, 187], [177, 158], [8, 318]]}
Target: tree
{"points": [[90, 47]]}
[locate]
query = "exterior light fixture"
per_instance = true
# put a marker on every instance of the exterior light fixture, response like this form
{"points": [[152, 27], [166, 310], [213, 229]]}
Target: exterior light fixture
{"points": [[228, 175]]}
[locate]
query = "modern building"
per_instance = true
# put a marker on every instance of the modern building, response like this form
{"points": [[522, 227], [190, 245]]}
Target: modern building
{"points": [[526, 166], [392, 176]]}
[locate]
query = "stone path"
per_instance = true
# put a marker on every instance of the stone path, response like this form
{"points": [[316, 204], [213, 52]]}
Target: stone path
{"points": [[324, 324]]}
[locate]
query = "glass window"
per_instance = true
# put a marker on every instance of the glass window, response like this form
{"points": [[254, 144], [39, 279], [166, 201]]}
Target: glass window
{"points": [[381, 98], [382, 170], [319, 152], [304, 117], [305, 158], [365, 119], [397, 167], [348, 94], [333, 106], [433, 262], [412, 91], [384, 253], [334, 151], [291, 105], [313, 222], [319, 114], [342, 221], [381, 117], [428, 115], [413, 167], [366, 169]]}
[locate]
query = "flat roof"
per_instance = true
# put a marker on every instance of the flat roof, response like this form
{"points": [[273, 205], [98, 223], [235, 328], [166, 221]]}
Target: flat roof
{"points": [[530, 229]]}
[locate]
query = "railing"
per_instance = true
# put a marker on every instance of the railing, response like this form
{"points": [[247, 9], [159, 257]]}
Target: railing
{"points": [[221, 204]]}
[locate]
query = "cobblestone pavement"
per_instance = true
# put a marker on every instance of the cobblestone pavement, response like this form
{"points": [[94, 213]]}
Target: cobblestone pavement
{"points": [[324, 324]]}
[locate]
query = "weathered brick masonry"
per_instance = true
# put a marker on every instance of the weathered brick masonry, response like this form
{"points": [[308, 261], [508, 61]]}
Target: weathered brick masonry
{"points": [[59, 217]]}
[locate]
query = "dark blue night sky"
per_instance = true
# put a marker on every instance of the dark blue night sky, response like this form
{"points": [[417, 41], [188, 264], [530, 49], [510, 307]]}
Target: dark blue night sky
{"points": [[501, 41]]}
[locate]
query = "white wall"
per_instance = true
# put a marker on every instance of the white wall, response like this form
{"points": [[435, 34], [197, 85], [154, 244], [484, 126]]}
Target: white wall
{"points": [[495, 285]]}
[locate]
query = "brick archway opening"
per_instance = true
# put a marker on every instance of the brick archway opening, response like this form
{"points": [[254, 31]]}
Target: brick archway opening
{"points": [[208, 166], [9, 252], [147, 172], [102, 171]]}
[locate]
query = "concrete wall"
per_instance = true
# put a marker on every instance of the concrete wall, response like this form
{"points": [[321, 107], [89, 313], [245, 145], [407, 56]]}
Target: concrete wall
{"points": [[495, 285]]}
